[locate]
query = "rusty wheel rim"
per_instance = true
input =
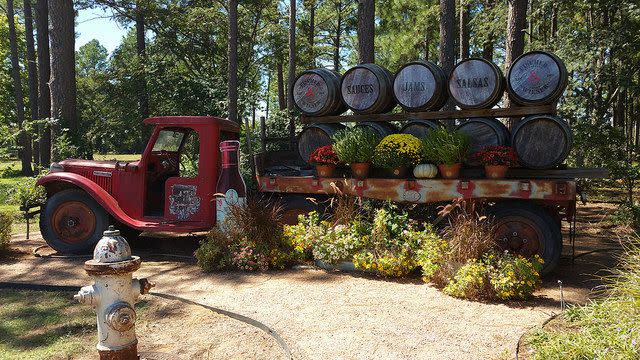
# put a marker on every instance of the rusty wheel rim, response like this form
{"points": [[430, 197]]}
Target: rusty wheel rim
{"points": [[519, 235], [73, 222]]}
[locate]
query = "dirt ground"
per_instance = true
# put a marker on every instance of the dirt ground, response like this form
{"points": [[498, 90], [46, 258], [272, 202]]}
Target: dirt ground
{"points": [[332, 315]]}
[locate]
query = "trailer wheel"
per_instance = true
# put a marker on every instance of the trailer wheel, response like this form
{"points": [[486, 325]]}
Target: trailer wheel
{"points": [[527, 229], [295, 205], [72, 222]]}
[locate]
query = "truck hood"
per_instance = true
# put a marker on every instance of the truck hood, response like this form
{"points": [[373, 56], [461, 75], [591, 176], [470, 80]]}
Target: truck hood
{"points": [[92, 163]]}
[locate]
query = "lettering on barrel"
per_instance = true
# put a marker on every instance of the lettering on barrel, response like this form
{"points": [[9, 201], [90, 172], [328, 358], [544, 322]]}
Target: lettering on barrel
{"points": [[534, 77], [360, 88], [310, 92], [414, 86]]}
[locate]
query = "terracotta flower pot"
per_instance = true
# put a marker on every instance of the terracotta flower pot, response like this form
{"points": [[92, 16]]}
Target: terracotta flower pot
{"points": [[450, 171], [398, 173], [360, 170], [496, 171], [326, 170]]}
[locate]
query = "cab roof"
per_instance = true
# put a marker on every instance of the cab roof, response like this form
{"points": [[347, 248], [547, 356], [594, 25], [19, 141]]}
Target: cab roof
{"points": [[224, 124]]}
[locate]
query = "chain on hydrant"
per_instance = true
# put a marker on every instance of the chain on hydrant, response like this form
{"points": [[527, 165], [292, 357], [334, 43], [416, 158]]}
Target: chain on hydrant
{"points": [[113, 295]]}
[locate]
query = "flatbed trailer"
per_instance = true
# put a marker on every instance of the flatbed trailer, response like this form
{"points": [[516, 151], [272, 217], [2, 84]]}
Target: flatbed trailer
{"points": [[528, 205]]}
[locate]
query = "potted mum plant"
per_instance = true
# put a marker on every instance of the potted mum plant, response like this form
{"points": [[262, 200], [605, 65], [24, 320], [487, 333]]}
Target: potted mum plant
{"points": [[356, 147], [325, 160], [447, 149], [497, 160], [396, 153]]}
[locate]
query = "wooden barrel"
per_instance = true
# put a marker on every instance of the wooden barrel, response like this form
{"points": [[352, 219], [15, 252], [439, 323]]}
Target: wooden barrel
{"points": [[381, 128], [420, 85], [419, 128], [541, 141], [476, 83], [317, 93], [483, 132], [368, 89], [315, 136], [536, 77]]}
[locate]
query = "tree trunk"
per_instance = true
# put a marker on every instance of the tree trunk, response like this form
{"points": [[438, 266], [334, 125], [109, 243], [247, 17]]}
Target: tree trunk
{"points": [[32, 71], [464, 31], [25, 152], [447, 39], [282, 102], [516, 24], [427, 44], [488, 44], [44, 73], [554, 22], [312, 33], [366, 30], [233, 61], [336, 39], [141, 49], [292, 70], [63, 72]]}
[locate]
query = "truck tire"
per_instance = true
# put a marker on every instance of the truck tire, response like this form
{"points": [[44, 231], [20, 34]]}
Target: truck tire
{"points": [[72, 222], [294, 205], [527, 229]]}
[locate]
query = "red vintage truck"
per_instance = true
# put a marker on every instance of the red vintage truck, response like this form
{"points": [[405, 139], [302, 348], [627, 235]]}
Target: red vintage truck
{"points": [[158, 193]]}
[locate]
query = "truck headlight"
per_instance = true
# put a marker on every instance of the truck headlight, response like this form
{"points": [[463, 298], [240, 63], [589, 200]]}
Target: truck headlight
{"points": [[55, 167]]}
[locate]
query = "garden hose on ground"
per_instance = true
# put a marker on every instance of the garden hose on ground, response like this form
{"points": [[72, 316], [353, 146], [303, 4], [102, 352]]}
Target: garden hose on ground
{"points": [[245, 319], [36, 253]]}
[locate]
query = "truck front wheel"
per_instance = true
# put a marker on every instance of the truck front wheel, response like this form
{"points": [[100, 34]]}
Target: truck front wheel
{"points": [[527, 229], [72, 222]]}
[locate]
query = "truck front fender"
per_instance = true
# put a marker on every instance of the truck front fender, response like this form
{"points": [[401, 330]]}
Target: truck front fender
{"points": [[58, 181]]}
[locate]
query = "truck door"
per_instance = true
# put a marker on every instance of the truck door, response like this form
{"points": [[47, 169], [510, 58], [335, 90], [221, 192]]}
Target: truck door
{"points": [[185, 195]]}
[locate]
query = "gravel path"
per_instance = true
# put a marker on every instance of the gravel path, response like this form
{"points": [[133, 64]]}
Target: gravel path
{"points": [[330, 315]]}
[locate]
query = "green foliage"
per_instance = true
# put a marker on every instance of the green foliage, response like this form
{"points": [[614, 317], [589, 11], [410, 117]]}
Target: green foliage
{"points": [[627, 215], [432, 256], [6, 221], [603, 329], [27, 193], [397, 150], [514, 277], [337, 243], [470, 281], [356, 145], [444, 146], [251, 238]]}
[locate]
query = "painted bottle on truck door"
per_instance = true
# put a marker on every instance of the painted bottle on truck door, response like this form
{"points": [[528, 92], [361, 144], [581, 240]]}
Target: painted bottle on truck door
{"points": [[231, 189]]}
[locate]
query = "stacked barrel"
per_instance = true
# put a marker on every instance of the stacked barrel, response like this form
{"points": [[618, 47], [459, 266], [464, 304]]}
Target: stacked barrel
{"points": [[536, 78]]}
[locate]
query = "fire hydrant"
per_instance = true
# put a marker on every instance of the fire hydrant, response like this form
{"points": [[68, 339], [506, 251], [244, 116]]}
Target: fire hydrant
{"points": [[113, 295]]}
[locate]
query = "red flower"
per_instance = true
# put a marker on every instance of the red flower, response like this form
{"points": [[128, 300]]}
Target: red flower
{"points": [[323, 156], [497, 155]]}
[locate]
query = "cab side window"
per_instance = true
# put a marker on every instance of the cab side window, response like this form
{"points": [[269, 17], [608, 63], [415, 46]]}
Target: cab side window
{"points": [[190, 155]]}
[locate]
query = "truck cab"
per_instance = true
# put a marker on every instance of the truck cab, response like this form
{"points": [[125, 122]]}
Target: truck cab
{"points": [[171, 188]]}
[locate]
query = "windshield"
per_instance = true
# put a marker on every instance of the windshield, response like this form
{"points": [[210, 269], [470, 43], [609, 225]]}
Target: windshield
{"points": [[168, 140]]}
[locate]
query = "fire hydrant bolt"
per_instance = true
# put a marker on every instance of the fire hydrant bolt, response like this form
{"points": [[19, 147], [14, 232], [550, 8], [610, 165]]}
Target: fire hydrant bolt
{"points": [[113, 295]]}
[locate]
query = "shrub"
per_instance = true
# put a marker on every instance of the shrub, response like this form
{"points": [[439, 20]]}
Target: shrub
{"points": [[355, 145], [397, 150], [469, 236], [387, 264], [6, 221], [251, 238], [431, 257], [338, 243], [514, 277], [27, 193], [470, 281], [443, 146], [627, 215], [304, 234], [213, 253]]}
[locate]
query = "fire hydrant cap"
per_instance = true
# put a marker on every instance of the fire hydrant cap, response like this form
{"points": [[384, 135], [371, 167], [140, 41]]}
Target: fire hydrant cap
{"points": [[112, 248]]}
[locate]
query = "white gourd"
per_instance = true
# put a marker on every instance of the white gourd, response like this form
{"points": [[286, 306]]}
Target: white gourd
{"points": [[425, 171]]}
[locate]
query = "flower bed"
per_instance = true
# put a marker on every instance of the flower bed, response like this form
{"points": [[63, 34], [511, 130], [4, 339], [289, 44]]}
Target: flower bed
{"points": [[461, 260]]}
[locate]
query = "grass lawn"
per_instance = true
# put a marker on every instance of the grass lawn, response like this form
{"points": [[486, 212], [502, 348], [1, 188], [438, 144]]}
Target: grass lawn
{"points": [[47, 325], [42, 325]]}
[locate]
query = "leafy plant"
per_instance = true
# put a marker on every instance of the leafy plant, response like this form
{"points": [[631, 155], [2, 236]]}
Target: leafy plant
{"points": [[471, 281], [514, 277], [443, 146], [324, 155], [497, 155], [27, 193], [356, 145], [251, 238], [338, 243], [398, 150]]}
